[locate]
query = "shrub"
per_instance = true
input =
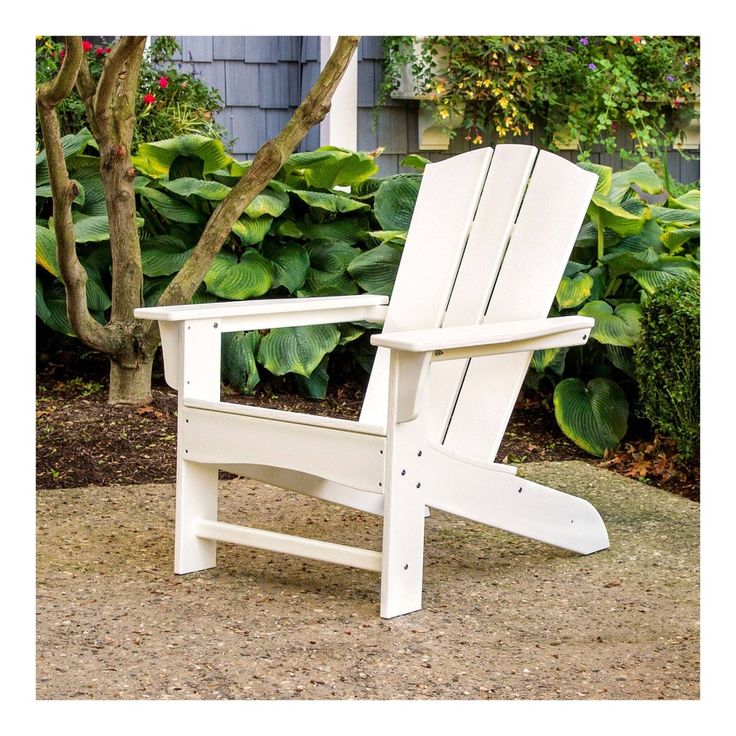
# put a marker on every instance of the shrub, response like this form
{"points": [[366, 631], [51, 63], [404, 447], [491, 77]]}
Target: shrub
{"points": [[667, 363], [303, 235], [170, 102]]}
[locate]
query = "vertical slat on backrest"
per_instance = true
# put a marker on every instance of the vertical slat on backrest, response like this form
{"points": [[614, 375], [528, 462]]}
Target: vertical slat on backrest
{"points": [[497, 210], [443, 214], [542, 239]]}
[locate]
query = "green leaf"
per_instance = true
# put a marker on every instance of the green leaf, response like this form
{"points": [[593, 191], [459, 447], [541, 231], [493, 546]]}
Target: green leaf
{"points": [[642, 175], [155, 159], [316, 385], [667, 215], [397, 237], [395, 200], [605, 212], [42, 311], [622, 358], [252, 231], [415, 161], [574, 291], [330, 202], [243, 279], [688, 201], [185, 187], [297, 349], [289, 262], [95, 203], [92, 229], [46, 250], [595, 416], [604, 173], [163, 259], [665, 270], [329, 166], [552, 358], [174, 210], [375, 269], [70, 144], [345, 229], [618, 326], [674, 239], [239, 366], [268, 202]]}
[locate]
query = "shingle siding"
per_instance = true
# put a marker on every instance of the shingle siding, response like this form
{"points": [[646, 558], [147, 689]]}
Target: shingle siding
{"points": [[262, 79]]}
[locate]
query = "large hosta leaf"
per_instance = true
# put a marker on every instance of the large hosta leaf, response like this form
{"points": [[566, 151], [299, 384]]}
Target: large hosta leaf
{"points": [[595, 416], [552, 358], [329, 166], [642, 175], [252, 231], [239, 366], [608, 214], [619, 326], [94, 192], [669, 216], [328, 202], [345, 229], [316, 385], [289, 263], [604, 173], [71, 145], [573, 291], [395, 200], [186, 187], [162, 258], [46, 250], [268, 202], [664, 270], [375, 269], [155, 159], [688, 201], [175, 210], [232, 279], [297, 349], [674, 239]]}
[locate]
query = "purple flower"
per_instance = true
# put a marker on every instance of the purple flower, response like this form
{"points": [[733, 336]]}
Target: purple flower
{"points": [[670, 78], [592, 66], [584, 41]]}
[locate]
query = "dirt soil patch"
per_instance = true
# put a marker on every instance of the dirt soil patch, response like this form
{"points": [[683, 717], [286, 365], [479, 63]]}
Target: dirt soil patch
{"points": [[504, 617], [81, 440]]}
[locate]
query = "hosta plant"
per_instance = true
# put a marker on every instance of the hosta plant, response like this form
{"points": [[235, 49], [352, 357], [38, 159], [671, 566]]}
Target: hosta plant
{"points": [[636, 238], [326, 225]]}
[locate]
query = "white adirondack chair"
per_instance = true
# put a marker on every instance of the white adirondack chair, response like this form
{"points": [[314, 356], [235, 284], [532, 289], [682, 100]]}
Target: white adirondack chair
{"points": [[488, 243]]}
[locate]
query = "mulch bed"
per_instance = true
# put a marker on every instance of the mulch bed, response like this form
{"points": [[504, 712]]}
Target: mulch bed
{"points": [[81, 440]]}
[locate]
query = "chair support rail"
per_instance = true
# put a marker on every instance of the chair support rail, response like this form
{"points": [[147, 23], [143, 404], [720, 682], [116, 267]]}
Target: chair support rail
{"points": [[315, 549]]}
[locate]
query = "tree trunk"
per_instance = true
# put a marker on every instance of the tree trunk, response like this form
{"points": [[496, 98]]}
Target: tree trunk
{"points": [[130, 385]]}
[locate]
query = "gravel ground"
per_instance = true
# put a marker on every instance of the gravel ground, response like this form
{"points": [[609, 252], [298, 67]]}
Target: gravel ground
{"points": [[504, 617]]}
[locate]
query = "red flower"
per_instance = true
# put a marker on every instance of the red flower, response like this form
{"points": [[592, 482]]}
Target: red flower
{"points": [[108, 50], [149, 99], [637, 39], [62, 53], [163, 83], [86, 46], [99, 51]]}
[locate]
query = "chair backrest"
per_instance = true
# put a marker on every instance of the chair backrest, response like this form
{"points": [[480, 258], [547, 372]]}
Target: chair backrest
{"points": [[489, 240]]}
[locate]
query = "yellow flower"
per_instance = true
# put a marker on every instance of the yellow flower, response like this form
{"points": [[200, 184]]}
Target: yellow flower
{"points": [[530, 126], [529, 67], [509, 59], [503, 102], [471, 95], [509, 122], [495, 55], [478, 139], [633, 136], [478, 82], [486, 83], [460, 85], [516, 47], [496, 91], [443, 113]]}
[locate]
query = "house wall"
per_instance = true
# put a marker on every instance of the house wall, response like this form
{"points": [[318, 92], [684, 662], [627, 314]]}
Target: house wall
{"points": [[262, 79]]}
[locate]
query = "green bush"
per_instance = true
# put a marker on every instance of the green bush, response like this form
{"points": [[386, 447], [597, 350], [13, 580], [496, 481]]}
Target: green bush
{"points": [[170, 102], [325, 226], [667, 363]]}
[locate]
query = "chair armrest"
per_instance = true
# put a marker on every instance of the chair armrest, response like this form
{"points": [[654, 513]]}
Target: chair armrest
{"points": [[414, 350], [255, 314], [189, 323], [448, 343]]}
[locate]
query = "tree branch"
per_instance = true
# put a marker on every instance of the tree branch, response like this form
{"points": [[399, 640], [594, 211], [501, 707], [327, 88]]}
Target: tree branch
{"points": [[63, 191], [266, 164]]}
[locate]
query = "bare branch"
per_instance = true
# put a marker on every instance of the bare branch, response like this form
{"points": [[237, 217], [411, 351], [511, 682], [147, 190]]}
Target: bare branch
{"points": [[73, 275], [266, 164], [113, 73]]}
